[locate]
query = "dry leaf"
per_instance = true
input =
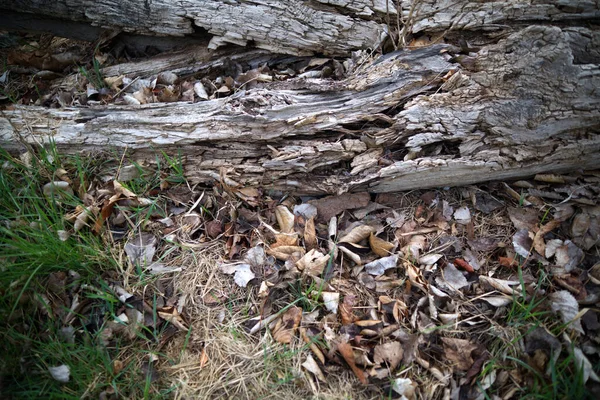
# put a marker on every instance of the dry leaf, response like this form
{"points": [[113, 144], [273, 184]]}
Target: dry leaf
{"points": [[523, 218], [313, 263], [285, 219], [500, 285], [311, 366], [331, 301], [379, 246], [287, 325], [388, 354], [430, 259], [566, 306], [141, 249], [462, 215], [452, 278], [523, 242], [538, 241], [310, 234], [285, 239], [378, 267], [243, 273], [305, 210], [348, 354], [458, 351], [284, 253], [357, 234], [346, 310], [497, 301]]}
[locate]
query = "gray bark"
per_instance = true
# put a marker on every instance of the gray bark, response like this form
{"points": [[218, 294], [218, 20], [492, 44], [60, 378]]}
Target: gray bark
{"points": [[411, 119]]}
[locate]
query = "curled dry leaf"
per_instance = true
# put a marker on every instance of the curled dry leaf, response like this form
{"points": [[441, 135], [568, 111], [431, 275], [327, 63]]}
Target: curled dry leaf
{"points": [[379, 246], [285, 239], [286, 327], [311, 366], [563, 303], [523, 242], [497, 301], [313, 263], [284, 253], [351, 255], [538, 240], [357, 234], [310, 234], [346, 310], [500, 285], [348, 355], [285, 219]]}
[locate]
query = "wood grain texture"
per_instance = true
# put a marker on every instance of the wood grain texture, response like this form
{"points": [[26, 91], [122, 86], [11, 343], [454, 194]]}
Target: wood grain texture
{"points": [[410, 119]]}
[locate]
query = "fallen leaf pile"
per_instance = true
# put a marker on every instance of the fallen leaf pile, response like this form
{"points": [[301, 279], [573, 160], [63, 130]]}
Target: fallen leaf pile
{"points": [[381, 285]]}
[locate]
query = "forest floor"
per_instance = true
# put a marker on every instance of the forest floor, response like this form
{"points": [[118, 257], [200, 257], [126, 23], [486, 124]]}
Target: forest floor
{"points": [[121, 279]]}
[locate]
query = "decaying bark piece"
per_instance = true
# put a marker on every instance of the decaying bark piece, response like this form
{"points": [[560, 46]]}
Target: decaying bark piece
{"points": [[411, 119]]}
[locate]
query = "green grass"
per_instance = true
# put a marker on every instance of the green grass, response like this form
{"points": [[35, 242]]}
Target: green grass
{"points": [[32, 315], [527, 312]]}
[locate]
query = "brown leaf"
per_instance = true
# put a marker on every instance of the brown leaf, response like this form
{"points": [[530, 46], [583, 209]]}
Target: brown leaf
{"points": [[357, 234], [284, 253], [310, 234], [214, 228], [348, 354], [285, 239], [379, 246], [459, 262], [538, 240], [346, 310], [523, 218], [458, 352], [333, 205], [313, 263], [285, 219], [287, 325], [508, 262], [388, 354]]}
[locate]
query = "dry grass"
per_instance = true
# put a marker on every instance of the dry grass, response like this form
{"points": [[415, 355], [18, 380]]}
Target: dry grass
{"points": [[220, 360]]}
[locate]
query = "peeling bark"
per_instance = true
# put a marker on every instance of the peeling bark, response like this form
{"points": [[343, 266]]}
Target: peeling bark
{"points": [[410, 119]]}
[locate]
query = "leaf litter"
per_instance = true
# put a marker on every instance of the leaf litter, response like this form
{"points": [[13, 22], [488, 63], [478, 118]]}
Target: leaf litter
{"points": [[405, 292]]}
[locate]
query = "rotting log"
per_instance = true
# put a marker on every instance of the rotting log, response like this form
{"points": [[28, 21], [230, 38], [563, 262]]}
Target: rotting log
{"points": [[510, 101], [411, 119]]}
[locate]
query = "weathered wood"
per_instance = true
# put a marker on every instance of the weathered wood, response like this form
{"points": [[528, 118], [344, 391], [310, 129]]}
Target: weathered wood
{"points": [[411, 119], [332, 27], [284, 26]]}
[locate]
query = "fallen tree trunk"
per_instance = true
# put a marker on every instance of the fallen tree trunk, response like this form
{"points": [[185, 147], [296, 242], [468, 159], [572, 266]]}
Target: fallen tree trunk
{"points": [[525, 103]]}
